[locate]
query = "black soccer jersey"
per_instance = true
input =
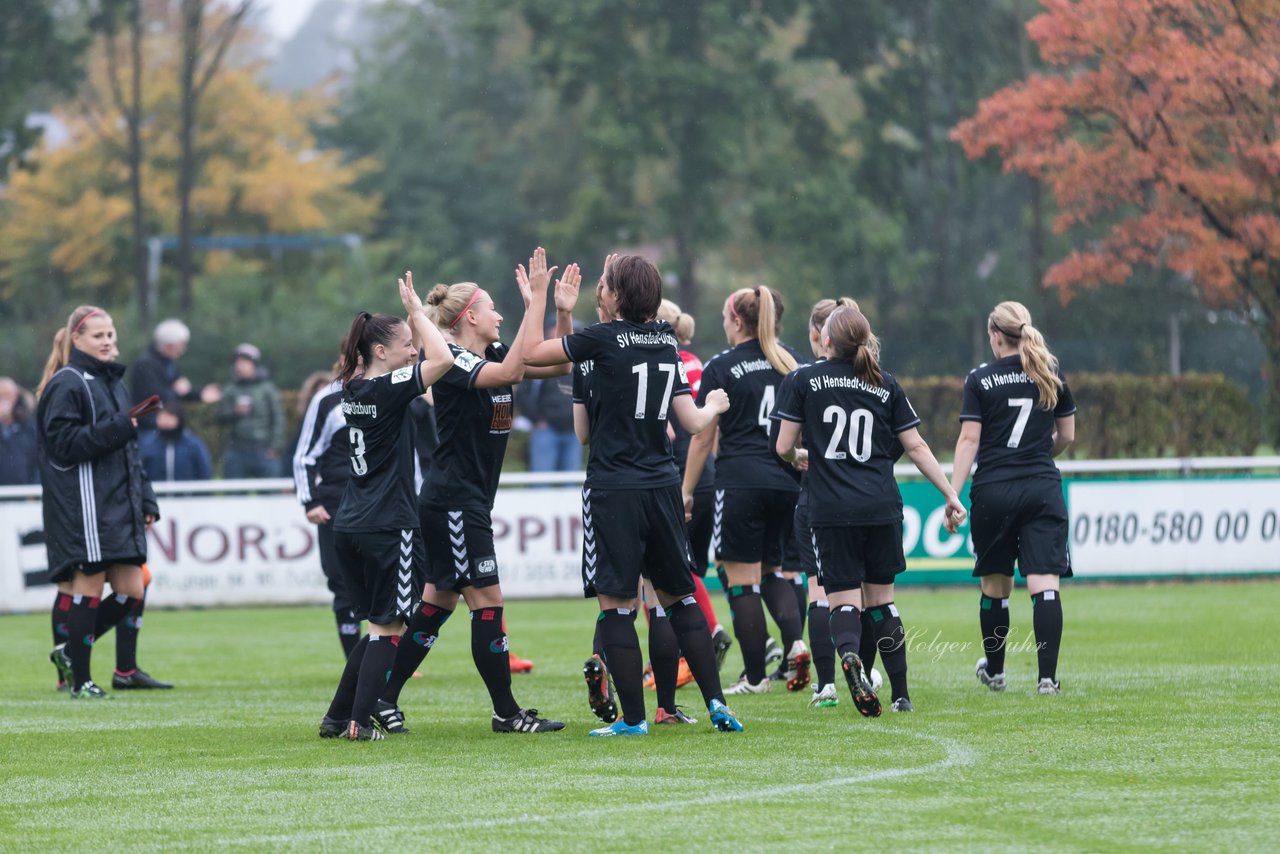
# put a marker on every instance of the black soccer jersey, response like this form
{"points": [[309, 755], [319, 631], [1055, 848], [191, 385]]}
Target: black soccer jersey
{"points": [[746, 457], [850, 429], [635, 373], [473, 425], [379, 494], [322, 461], [1017, 435], [786, 390]]}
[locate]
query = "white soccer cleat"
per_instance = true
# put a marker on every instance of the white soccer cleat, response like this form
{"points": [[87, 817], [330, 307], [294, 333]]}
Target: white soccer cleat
{"points": [[994, 681], [1048, 686], [742, 686], [875, 679], [824, 697]]}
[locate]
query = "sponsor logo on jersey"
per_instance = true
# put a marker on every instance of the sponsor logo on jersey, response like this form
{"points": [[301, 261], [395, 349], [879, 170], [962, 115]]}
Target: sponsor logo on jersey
{"points": [[400, 375], [502, 413], [486, 566], [467, 360]]}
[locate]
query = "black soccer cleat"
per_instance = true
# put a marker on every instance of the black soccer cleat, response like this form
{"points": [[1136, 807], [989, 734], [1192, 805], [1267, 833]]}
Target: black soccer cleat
{"points": [[333, 728], [902, 704], [864, 699], [721, 641], [355, 732], [138, 679], [89, 691], [525, 720], [599, 691], [388, 718]]}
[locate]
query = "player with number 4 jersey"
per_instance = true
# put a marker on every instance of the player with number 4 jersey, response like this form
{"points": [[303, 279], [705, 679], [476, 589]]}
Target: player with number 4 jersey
{"points": [[852, 416], [1017, 415]]}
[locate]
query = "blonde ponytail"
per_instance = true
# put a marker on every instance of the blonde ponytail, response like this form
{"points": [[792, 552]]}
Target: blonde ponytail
{"points": [[1013, 321], [60, 355], [768, 313]]}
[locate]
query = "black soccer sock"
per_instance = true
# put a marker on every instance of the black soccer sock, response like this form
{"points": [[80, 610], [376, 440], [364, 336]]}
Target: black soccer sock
{"points": [[1046, 617], [80, 620], [993, 615], [61, 608], [348, 630], [375, 668], [781, 601], [801, 590], [664, 657], [723, 578], [748, 628], [489, 652], [127, 635], [691, 630], [867, 644], [345, 697], [846, 629], [891, 640], [622, 652], [597, 643], [110, 611], [419, 636], [820, 646]]}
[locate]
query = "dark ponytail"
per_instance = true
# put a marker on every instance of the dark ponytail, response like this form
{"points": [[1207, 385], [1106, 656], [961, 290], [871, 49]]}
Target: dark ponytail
{"points": [[367, 330], [851, 341]]}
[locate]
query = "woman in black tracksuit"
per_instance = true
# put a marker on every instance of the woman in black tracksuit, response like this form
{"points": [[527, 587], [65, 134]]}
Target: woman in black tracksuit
{"points": [[97, 501]]}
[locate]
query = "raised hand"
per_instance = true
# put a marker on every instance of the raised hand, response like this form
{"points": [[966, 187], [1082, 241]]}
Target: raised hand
{"points": [[408, 296], [717, 401], [522, 282], [567, 288], [539, 276]]}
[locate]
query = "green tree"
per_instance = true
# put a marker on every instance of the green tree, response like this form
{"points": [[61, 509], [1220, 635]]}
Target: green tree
{"points": [[40, 50]]}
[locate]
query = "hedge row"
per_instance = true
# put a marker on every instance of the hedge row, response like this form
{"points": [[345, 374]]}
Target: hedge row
{"points": [[1121, 416]]}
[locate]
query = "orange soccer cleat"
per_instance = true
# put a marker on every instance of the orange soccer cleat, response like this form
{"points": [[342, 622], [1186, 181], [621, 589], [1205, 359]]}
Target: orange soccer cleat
{"points": [[518, 664]]}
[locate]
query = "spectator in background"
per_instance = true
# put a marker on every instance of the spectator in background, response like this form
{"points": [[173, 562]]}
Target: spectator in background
{"points": [[251, 407], [311, 386], [553, 446], [18, 464], [156, 371], [172, 452]]}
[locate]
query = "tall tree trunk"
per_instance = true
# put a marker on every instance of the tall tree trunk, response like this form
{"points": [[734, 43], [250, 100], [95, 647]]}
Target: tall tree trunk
{"points": [[686, 262], [192, 18], [133, 121]]}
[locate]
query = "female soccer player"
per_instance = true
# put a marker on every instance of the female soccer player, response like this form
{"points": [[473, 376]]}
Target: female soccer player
{"points": [[851, 414], [97, 501], [473, 409], [755, 495], [1017, 415], [376, 528], [631, 492]]}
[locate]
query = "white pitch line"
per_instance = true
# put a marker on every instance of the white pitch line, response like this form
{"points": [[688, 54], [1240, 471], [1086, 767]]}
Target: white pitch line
{"points": [[957, 755]]}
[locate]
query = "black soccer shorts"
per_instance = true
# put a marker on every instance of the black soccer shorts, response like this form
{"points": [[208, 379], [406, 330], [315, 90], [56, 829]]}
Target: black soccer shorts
{"points": [[380, 571], [637, 532], [460, 550], [750, 524], [1023, 522], [849, 556]]}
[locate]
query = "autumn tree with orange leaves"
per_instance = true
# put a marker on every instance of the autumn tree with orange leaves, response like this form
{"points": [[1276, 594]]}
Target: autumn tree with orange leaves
{"points": [[1159, 123]]}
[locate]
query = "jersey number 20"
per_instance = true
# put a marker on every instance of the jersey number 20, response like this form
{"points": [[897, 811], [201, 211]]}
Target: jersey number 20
{"points": [[859, 423]]}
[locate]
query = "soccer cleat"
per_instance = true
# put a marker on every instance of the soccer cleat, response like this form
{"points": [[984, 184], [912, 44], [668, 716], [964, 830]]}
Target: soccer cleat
{"points": [[388, 718], [621, 727], [332, 728], [772, 651], [650, 681], [797, 665], [744, 686], [902, 704], [994, 681], [518, 664], [1048, 686], [355, 732], [676, 717], [723, 718], [864, 699], [684, 675], [525, 720], [722, 642], [62, 663], [138, 679], [89, 691], [875, 679], [824, 697], [600, 690]]}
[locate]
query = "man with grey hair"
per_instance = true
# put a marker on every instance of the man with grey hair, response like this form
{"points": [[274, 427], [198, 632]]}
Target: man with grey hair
{"points": [[156, 371]]}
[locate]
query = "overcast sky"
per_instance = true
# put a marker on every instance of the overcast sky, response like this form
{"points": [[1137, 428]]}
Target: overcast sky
{"points": [[283, 17]]}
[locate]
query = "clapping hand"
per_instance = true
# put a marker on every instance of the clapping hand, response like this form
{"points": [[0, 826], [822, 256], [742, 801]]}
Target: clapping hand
{"points": [[567, 288], [537, 278], [408, 296]]}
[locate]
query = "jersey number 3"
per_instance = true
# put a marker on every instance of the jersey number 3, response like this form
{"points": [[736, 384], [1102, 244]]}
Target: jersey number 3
{"points": [[358, 464], [642, 388]]}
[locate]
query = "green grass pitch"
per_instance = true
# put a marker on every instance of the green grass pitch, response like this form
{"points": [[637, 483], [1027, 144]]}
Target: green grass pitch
{"points": [[1164, 738]]}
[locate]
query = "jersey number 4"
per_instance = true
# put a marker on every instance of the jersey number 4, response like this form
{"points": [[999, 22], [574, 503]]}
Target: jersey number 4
{"points": [[642, 389], [1024, 412], [859, 423], [358, 464]]}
